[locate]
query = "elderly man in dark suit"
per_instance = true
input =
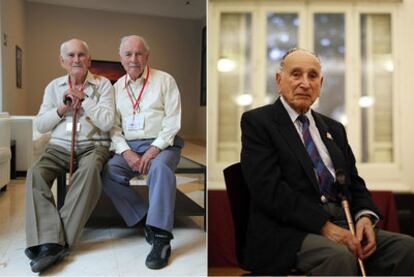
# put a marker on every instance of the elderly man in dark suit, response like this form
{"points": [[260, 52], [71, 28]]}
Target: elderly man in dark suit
{"points": [[289, 158]]}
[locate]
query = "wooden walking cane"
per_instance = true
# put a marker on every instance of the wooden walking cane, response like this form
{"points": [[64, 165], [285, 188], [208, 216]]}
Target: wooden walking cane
{"points": [[341, 184], [68, 100], [73, 141]]}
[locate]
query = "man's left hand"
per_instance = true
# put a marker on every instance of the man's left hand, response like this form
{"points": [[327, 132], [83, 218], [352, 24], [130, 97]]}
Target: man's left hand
{"points": [[365, 230], [78, 94], [146, 159]]}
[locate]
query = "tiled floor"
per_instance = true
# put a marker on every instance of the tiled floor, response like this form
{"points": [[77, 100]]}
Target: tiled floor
{"points": [[109, 251]]}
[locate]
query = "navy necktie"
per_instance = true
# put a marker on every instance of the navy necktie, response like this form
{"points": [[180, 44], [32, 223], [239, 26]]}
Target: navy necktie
{"points": [[324, 176]]}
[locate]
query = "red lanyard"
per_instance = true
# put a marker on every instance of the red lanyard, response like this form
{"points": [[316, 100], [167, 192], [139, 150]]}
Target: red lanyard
{"points": [[134, 105], [70, 84]]}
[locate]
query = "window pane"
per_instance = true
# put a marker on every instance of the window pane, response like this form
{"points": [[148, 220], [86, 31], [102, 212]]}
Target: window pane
{"points": [[234, 76], [282, 34], [329, 45], [376, 95]]}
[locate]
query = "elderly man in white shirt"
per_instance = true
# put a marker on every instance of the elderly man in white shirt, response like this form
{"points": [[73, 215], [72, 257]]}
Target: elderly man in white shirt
{"points": [[51, 232], [148, 117]]}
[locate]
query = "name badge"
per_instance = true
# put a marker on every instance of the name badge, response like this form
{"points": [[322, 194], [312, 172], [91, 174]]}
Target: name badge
{"points": [[69, 127], [135, 122]]}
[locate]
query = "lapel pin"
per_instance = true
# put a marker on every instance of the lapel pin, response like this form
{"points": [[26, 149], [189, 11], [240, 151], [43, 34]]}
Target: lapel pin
{"points": [[328, 135]]}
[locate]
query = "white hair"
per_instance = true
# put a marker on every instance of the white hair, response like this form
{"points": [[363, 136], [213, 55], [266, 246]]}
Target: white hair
{"points": [[64, 45], [125, 38]]}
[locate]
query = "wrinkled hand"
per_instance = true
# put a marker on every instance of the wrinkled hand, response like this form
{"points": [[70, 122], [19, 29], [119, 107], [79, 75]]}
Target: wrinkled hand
{"points": [[146, 159], [365, 229], [342, 236], [62, 109], [76, 96], [133, 159]]}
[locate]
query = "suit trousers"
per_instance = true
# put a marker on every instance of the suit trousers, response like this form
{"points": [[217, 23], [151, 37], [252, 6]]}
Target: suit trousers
{"points": [[161, 184], [46, 224], [321, 256]]}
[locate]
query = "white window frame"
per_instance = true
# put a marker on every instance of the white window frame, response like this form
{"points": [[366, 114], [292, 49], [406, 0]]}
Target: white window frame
{"points": [[387, 176]]}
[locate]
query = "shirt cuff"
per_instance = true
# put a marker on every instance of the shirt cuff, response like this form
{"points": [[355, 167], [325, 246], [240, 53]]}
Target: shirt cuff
{"points": [[120, 148], [160, 143], [367, 212]]}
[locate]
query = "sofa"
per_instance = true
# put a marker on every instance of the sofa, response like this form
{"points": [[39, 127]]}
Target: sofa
{"points": [[29, 142], [5, 153]]}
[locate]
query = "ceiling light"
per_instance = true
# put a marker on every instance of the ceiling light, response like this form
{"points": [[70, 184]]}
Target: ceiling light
{"points": [[226, 65], [366, 101], [244, 99]]}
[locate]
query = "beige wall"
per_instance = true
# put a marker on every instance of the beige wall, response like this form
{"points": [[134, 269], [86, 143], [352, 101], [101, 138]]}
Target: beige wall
{"points": [[13, 18], [175, 48]]}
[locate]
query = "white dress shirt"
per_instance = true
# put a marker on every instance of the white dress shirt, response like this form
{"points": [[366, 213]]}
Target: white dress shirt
{"points": [[159, 104], [320, 146], [314, 132]]}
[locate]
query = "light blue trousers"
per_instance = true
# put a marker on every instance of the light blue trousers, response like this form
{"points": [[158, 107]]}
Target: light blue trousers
{"points": [[161, 184]]}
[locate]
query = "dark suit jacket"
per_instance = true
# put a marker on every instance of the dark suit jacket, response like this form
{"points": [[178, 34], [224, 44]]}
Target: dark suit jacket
{"points": [[285, 198]]}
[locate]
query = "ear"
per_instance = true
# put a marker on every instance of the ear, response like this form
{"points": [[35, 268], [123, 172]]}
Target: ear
{"points": [[278, 78], [321, 81], [88, 63], [147, 57], [61, 60]]}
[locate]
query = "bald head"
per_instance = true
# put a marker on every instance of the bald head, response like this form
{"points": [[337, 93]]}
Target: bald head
{"points": [[300, 79], [293, 50], [75, 58]]}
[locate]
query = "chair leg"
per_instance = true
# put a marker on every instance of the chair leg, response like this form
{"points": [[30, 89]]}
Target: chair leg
{"points": [[4, 188]]}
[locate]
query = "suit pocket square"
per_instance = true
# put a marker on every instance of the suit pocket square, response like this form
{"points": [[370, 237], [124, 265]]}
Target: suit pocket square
{"points": [[329, 136]]}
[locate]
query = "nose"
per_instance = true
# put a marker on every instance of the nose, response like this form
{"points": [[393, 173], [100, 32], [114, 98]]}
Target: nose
{"points": [[76, 58], [133, 58], [305, 82]]}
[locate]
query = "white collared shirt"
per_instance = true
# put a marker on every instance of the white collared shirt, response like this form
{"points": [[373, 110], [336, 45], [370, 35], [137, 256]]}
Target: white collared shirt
{"points": [[320, 146], [160, 105], [96, 116], [314, 132]]}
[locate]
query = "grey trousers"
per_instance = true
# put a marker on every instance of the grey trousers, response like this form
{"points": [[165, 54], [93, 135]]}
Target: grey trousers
{"points": [[44, 223], [161, 183], [320, 256]]}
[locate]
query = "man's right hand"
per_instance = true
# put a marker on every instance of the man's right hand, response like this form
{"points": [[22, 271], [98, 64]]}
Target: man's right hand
{"points": [[67, 106], [62, 109], [132, 158], [342, 236]]}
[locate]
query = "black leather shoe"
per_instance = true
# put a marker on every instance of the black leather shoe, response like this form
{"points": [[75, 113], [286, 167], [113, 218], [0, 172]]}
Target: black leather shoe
{"points": [[32, 252], [49, 254], [161, 249], [149, 234]]}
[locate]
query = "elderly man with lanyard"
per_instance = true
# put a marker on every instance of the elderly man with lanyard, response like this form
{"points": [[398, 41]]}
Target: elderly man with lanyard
{"points": [[148, 117], [51, 232]]}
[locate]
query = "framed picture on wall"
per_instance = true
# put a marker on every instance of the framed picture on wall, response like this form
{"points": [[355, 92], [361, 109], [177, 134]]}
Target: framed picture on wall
{"points": [[111, 70], [19, 65]]}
